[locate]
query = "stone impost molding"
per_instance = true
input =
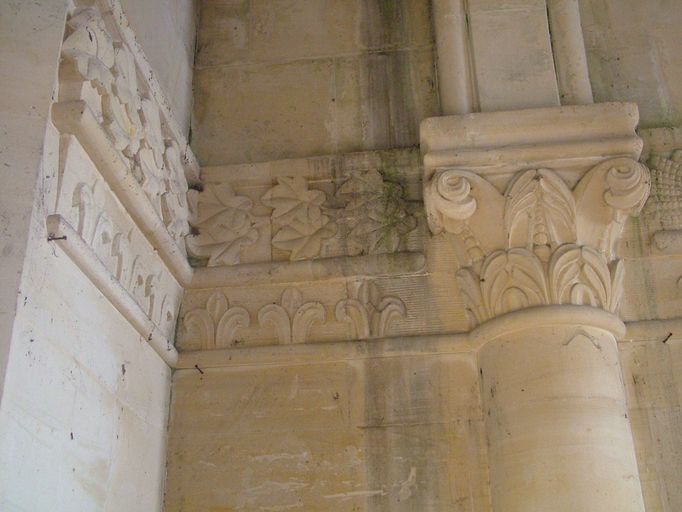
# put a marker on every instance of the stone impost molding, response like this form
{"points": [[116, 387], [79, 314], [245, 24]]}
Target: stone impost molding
{"points": [[535, 229]]}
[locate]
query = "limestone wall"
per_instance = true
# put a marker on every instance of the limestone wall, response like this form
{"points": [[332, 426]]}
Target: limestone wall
{"points": [[85, 400], [368, 427], [282, 79], [633, 54]]}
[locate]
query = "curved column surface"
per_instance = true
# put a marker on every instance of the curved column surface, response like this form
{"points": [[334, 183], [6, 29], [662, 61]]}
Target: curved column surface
{"points": [[556, 418]]}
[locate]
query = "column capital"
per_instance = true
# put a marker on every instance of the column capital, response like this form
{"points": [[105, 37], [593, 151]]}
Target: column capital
{"points": [[535, 234]]}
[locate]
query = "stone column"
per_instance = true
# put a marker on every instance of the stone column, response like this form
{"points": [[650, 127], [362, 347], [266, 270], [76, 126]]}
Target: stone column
{"points": [[535, 202]]}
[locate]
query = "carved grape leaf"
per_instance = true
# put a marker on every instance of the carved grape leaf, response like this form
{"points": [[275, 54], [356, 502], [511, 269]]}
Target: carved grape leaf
{"points": [[304, 240], [291, 199], [377, 213], [225, 225]]}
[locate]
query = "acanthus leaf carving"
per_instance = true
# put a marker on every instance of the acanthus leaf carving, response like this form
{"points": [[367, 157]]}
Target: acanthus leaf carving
{"points": [[539, 211], [225, 225], [558, 246], [512, 280], [451, 199]]}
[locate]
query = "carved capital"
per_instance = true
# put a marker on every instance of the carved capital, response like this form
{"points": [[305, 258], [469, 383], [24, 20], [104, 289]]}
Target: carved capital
{"points": [[539, 242]]}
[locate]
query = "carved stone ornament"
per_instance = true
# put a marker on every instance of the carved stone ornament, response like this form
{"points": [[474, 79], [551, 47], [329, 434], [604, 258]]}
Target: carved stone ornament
{"points": [[299, 225], [217, 325], [369, 312], [539, 242], [292, 318], [224, 224], [98, 67], [665, 202], [377, 215]]}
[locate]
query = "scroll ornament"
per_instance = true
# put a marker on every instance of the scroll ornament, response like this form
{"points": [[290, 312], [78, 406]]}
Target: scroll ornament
{"points": [[539, 242]]}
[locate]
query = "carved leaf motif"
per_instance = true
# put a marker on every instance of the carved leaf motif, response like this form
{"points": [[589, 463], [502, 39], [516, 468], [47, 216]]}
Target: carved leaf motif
{"points": [[605, 197], [513, 280], [304, 318], [370, 314], [234, 318], [200, 326], [387, 312], [291, 199], [277, 316], [225, 225], [91, 47], [377, 213], [539, 210], [216, 325], [665, 202], [580, 275], [291, 318], [448, 196], [298, 213], [351, 311], [304, 240]]}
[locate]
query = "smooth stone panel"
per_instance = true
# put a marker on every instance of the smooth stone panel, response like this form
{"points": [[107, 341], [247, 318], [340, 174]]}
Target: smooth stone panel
{"points": [[512, 54]]}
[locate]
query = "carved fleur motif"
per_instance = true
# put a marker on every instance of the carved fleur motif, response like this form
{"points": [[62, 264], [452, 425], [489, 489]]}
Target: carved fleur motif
{"points": [[217, 324], [225, 225], [368, 312], [299, 224], [292, 318], [378, 216]]}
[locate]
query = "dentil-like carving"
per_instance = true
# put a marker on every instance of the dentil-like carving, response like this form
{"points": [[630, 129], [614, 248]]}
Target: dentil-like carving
{"points": [[224, 223], [216, 325], [370, 313], [292, 319]]}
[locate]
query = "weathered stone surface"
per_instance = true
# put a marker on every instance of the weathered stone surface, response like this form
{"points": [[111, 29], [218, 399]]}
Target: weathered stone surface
{"points": [[271, 83]]}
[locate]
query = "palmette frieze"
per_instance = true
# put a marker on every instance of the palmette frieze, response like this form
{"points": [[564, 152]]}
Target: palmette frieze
{"points": [[295, 317], [539, 242]]}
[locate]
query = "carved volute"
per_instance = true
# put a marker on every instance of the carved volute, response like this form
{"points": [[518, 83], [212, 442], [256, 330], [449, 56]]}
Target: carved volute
{"points": [[539, 242]]}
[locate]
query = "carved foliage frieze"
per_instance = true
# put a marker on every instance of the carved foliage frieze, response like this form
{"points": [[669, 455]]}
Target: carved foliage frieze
{"points": [[365, 313], [100, 68], [366, 215], [376, 214], [299, 224], [539, 242], [224, 224]]}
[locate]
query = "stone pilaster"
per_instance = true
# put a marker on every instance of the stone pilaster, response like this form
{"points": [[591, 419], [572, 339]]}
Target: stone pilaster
{"points": [[536, 201]]}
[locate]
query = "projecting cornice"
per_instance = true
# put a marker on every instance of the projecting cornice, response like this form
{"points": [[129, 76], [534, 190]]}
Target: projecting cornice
{"points": [[533, 235]]}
